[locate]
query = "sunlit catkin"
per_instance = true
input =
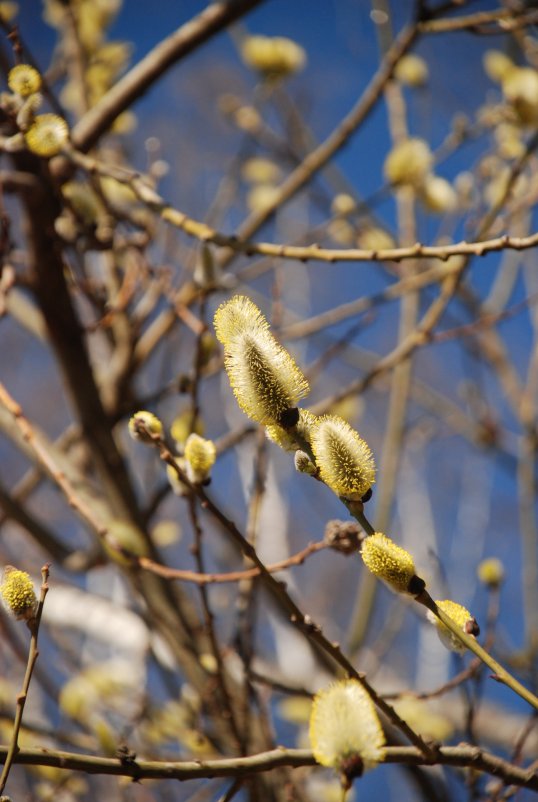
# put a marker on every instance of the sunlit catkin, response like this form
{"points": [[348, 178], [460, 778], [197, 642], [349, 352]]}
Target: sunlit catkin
{"points": [[461, 616], [345, 732], [24, 80], [47, 135], [236, 316], [344, 459], [17, 592], [144, 424], [200, 456], [389, 562], [263, 375]]}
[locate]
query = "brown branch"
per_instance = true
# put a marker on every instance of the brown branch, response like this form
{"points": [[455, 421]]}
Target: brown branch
{"points": [[462, 756], [302, 253], [506, 19], [44, 458], [232, 576]]}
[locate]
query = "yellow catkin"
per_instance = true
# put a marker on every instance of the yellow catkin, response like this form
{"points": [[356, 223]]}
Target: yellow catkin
{"points": [[345, 729], [273, 55], [47, 135], [408, 162], [491, 572], [388, 561], [200, 455], [143, 424], [236, 316], [17, 592], [264, 377], [344, 459], [24, 80], [461, 616]]}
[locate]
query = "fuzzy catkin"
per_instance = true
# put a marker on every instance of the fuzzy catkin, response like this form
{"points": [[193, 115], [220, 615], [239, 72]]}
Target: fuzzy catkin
{"points": [[344, 724], [344, 459]]}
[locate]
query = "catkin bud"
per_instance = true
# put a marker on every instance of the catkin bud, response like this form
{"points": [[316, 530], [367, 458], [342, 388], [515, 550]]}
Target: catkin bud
{"points": [[343, 204], [491, 572], [411, 70], [391, 563], [47, 135], [143, 424], [259, 170], [345, 732], [24, 80], [461, 616], [200, 456], [273, 55], [183, 425], [438, 195], [303, 463], [345, 461], [520, 88], [409, 162], [18, 595], [497, 65]]}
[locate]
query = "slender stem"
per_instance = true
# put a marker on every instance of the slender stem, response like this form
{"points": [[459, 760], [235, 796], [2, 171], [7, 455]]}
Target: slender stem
{"points": [[33, 625], [501, 674], [463, 755], [230, 576]]}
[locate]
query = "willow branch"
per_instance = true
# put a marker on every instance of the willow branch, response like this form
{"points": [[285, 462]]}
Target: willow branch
{"points": [[231, 576], [462, 756], [303, 253], [506, 19], [33, 625]]}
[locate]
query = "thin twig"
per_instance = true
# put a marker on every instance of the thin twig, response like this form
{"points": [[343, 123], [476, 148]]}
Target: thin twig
{"points": [[33, 654]]}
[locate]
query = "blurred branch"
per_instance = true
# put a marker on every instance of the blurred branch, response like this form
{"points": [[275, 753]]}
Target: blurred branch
{"points": [[463, 756], [204, 233], [504, 19], [213, 19]]}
